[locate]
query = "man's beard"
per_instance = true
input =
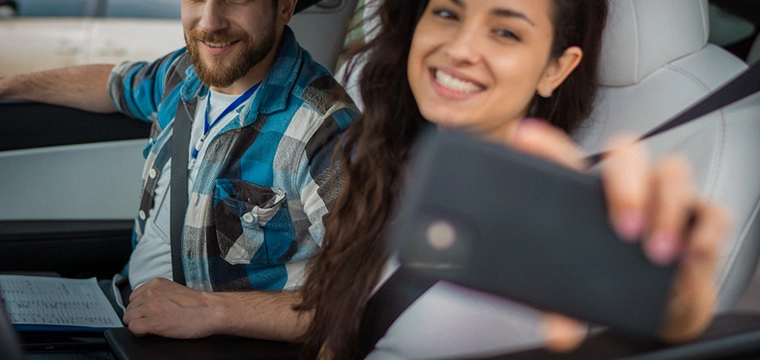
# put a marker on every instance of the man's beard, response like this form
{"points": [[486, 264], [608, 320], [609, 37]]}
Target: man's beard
{"points": [[215, 73]]}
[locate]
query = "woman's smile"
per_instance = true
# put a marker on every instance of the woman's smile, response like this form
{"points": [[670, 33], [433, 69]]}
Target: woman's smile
{"points": [[449, 82]]}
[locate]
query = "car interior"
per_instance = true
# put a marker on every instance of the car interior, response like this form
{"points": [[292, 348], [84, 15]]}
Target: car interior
{"points": [[69, 189]]}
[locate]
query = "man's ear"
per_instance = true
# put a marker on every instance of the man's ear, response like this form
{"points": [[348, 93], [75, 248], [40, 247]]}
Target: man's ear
{"points": [[558, 70], [285, 11]]}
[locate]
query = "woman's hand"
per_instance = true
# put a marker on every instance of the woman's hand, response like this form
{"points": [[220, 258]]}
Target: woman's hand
{"points": [[654, 202], [658, 204]]}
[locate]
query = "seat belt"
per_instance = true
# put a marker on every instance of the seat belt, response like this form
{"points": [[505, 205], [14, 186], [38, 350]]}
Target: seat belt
{"points": [[395, 295], [739, 88], [180, 148], [399, 292]]}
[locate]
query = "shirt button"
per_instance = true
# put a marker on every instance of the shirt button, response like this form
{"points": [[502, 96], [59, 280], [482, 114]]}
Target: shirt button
{"points": [[248, 218], [143, 215], [152, 173]]}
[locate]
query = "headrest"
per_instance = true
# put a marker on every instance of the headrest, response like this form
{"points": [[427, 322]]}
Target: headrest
{"points": [[644, 35]]}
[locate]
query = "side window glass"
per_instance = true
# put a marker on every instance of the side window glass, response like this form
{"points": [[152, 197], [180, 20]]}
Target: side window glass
{"points": [[38, 35]]}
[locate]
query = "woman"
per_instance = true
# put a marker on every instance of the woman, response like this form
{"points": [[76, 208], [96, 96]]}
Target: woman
{"points": [[483, 66]]}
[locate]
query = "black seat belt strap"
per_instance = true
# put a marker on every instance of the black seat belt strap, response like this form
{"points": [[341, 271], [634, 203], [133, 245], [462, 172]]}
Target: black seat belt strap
{"points": [[386, 305], [180, 152], [739, 88]]}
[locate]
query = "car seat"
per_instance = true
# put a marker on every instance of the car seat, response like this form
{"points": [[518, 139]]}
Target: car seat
{"points": [[656, 62]]}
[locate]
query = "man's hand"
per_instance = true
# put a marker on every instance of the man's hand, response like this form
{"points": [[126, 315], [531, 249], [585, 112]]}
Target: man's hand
{"points": [[165, 308]]}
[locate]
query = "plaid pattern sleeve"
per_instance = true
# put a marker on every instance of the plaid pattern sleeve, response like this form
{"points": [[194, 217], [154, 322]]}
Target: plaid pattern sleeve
{"points": [[138, 89]]}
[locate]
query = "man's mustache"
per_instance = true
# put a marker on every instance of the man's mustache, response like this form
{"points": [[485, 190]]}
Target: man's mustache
{"points": [[217, 37]]}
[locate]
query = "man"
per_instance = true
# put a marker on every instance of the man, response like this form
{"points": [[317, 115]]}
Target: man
{"points": [[265, 118]]}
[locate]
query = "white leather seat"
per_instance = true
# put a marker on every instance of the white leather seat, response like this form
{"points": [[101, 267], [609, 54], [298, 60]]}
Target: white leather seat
{"points": [[655, 63]]}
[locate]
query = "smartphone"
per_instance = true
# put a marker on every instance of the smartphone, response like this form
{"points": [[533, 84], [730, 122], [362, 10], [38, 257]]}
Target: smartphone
{"points": [[484, 216]]}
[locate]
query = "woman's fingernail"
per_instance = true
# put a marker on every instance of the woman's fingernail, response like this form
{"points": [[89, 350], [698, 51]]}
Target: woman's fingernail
{"points": [[630, 225], [663, 247]]}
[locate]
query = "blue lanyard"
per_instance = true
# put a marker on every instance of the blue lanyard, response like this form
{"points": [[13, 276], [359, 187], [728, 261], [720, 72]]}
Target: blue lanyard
{"points": [[207, 126]]}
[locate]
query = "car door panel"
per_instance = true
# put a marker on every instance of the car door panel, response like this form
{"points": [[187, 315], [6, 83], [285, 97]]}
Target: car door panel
{"points": [[71, 184]]}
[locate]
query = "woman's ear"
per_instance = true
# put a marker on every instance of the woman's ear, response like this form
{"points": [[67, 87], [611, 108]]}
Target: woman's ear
{"points": [[558, 70]]}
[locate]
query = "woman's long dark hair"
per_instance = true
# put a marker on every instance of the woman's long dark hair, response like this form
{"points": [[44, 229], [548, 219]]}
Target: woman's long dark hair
{"points": [[375, 150]]}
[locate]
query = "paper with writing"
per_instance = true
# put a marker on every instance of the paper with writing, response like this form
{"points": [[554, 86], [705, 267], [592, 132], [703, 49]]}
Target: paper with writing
{"points": [[49, 303]]}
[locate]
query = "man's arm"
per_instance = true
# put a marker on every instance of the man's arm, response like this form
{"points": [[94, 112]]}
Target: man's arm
{"points": [[165, 308], [82, 87]]}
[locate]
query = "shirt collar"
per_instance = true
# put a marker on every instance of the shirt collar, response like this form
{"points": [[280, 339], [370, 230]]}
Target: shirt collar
{"points": [[273, 94]]}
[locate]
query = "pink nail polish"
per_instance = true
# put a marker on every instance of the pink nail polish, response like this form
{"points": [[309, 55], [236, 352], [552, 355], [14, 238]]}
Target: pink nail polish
{"points": [[630, 226], [663, 248]]}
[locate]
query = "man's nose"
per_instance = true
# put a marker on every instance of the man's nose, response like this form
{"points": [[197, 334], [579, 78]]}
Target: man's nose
{"points": [[213, 17]]}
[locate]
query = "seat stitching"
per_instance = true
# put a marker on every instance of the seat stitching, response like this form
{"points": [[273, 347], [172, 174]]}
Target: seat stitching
{"points": [[637, 49]]}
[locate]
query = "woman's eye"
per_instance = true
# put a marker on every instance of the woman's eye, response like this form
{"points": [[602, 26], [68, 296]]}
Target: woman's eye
{"points": [[506, 34], [445, 14]]}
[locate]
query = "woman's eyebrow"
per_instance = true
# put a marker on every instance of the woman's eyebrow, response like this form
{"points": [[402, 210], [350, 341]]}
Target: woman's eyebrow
{"points": [[458, 3], [500, 12]]}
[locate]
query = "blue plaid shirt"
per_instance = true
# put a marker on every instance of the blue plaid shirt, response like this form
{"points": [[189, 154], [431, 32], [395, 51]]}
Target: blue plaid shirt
{"points": [[255, 211]]}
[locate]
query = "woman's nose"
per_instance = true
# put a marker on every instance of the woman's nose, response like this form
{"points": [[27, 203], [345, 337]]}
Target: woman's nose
{"points": [[462, 47]]}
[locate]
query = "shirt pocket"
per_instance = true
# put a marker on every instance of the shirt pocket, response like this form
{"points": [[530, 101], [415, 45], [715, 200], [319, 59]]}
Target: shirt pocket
{"points": [[253, 224]]}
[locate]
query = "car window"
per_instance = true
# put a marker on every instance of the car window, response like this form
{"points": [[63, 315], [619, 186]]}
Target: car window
{"points": [[38, 35], [167, 9], [44, 34]]}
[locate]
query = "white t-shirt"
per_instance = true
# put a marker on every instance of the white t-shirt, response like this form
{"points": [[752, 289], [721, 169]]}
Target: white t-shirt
{"points": [[151, 258], [450, 321]]}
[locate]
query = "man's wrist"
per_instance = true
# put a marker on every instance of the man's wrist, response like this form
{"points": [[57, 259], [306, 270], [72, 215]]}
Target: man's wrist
{"points": [[218, 319]]}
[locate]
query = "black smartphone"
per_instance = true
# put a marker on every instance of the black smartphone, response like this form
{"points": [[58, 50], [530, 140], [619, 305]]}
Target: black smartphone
{"points": [[484, 216]]}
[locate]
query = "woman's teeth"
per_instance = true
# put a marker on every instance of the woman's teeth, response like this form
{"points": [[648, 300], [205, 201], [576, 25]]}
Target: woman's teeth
{"points": [[454, 84]]}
